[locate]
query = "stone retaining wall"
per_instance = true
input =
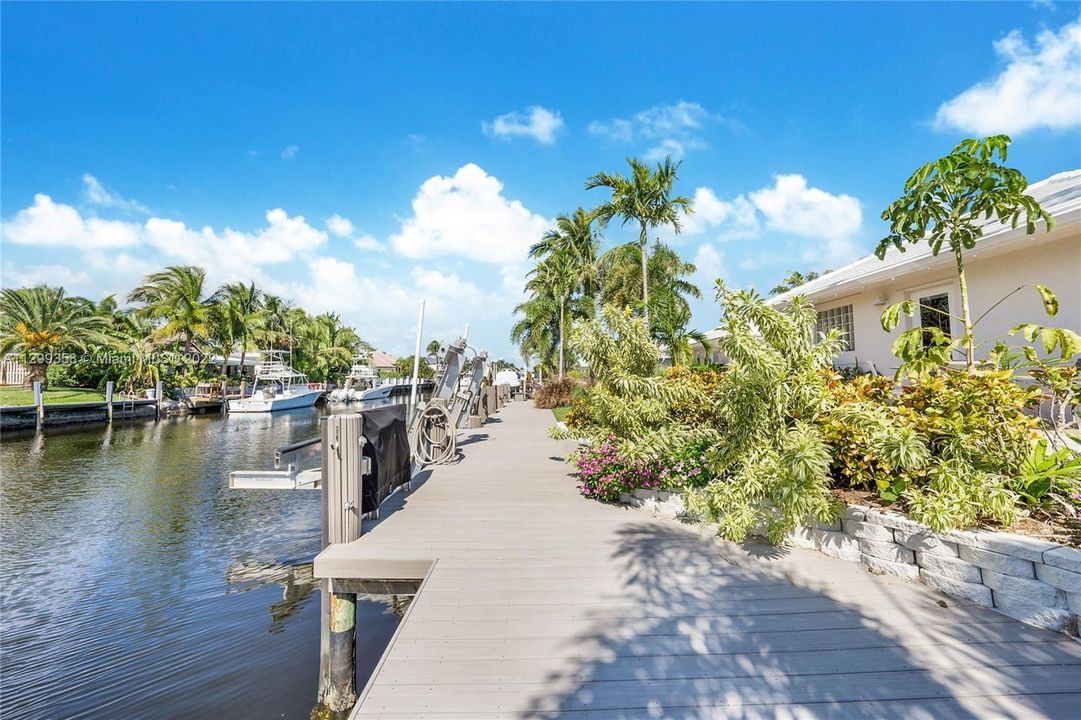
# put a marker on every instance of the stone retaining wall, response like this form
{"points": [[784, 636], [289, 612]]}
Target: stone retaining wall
{"points": [[1032, 580]]}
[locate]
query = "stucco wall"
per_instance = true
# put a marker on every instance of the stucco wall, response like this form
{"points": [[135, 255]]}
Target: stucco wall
{"points": [[1054, 261]]}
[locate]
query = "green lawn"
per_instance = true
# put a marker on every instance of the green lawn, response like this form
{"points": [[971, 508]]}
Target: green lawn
{"points": [[18, 396], [561, 412]]}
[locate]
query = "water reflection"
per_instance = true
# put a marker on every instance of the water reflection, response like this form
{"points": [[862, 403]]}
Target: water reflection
{"points": [[136, 584]]}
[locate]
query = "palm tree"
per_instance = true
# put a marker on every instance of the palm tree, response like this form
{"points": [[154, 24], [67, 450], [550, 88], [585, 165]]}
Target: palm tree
{"points": [[39, 322], [794, 280], [175, 297], [644, 197], [575, 237], [433, 347], [246, 309], [324, 345], [667, 274], [556, 276], [670, 318]]}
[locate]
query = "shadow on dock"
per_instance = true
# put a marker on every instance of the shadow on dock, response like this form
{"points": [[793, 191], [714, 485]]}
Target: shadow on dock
{"points": [[716, 640]]}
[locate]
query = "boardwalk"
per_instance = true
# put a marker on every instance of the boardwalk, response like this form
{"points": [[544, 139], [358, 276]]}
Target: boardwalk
{"points": [[540, 604]]}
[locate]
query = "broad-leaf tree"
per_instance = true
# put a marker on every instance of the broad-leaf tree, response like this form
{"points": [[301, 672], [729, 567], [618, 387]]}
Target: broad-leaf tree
{"points": [[949, 203], [644, 197]]}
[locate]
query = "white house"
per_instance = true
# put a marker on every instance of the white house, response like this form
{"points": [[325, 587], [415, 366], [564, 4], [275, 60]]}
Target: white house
{"points": [[853, 297]]}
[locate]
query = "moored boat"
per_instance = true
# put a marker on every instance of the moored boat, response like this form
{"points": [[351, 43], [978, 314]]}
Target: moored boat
{"points": [[277, 387]]}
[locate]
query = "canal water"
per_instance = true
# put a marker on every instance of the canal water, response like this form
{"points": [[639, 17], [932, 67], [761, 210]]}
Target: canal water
{"points": [[136, 584]]}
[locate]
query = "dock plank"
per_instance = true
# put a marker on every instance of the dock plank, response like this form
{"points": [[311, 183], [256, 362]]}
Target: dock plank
{"points": [[537, 603]]}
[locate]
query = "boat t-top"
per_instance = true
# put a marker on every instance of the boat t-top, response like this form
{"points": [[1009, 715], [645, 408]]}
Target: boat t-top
{"points": [[277, 387], [361, 378]]}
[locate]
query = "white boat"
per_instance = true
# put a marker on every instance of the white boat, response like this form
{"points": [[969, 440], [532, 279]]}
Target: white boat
{"points": [[361, 377], [379, 392], [277, 387]]}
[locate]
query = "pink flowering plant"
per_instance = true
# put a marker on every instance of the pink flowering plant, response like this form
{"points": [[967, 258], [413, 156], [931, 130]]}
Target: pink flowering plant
{"points": [[605, 474]]}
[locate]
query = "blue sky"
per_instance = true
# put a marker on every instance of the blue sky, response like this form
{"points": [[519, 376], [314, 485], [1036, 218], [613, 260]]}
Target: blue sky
{"points": [[358, 158]]}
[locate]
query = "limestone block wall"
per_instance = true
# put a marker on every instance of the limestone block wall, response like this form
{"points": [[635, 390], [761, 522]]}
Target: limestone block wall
{"points": [[1032, 580]]}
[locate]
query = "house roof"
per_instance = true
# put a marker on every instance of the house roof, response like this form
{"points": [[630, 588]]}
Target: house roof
{"points": [[1060, 195], [381, 359]]}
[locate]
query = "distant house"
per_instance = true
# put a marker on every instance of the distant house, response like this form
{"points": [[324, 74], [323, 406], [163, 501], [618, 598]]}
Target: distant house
{"points": [[252, 359], [853, 297], [382, 363]]}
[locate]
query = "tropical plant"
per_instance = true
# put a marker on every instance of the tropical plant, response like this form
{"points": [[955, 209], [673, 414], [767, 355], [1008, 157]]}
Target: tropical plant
{"points": [[556, 393], [245, 308], [433, 347], [629, 399], [668, 277], [556, 277], [670, 320], [645, 197], [794, 279], [575, 238], [948, 203], [38, 323], [175, 297], [771, 462]]}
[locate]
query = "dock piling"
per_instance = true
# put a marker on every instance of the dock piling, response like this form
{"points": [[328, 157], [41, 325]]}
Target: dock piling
{"points": [[109, 388], [344, 467], [39, 402]]}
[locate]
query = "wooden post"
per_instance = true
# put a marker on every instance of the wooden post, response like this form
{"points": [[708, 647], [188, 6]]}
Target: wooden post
{"points": [[39, 402], [159, 390], [224, 397], [342, 500], [109, 387]]}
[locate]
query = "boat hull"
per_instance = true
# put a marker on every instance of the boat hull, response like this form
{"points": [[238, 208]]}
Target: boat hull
{"points": [[376, 393], [263, 405]]}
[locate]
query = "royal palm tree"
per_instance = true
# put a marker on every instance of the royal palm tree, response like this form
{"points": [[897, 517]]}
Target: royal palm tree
{"points": [[37, 323], [575, 237], [176, 298], [556, 276], [646, 198]]}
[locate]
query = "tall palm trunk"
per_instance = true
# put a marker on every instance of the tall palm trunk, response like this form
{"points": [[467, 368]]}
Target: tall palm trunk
{"points": [[561, 304], [642, 242]]}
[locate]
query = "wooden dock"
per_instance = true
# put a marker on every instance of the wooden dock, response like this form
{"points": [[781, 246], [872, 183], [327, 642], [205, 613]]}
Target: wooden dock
{"points": [[537, 603]]}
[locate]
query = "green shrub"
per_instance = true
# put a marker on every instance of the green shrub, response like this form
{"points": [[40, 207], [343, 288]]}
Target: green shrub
{"points": [[630, 400]]}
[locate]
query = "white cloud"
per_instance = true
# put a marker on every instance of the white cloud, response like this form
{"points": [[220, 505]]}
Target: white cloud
{"points": [[788, 206], [389, 305], [51, 224], [290, 152], [673, 129], [709, 265], [791, 206], [340, 226], [536, 122], [466, 215], [343, 227], [230, 252], [727, 221], [1040, 87], [97, 194]]}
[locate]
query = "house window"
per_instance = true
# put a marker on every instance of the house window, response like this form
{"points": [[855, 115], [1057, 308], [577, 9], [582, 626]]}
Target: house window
{"points": [[935, 313], [838, 318]]}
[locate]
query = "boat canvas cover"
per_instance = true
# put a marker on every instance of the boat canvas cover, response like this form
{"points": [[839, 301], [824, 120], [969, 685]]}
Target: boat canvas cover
{"points": [[388, 447]]}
